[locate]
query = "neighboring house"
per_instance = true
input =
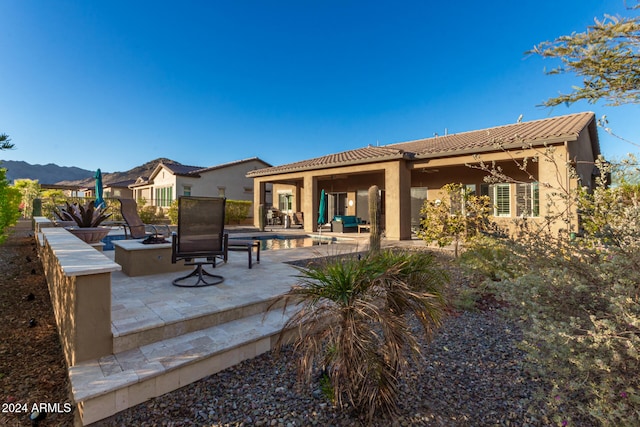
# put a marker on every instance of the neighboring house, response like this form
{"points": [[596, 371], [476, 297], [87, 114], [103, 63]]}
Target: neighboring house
{"points": [[118, 190], [169, 181], [68, 190], [410, 172]]}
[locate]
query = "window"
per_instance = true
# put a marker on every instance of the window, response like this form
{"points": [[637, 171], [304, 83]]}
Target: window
{"points": [[527, 200], [222, 191], [284, 201], [186, 190], [418, 196], [336, 204], [164, 196], [500, 197]]}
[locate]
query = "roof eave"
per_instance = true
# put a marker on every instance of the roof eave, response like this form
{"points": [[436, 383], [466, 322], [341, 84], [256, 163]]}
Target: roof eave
{"points": [[398, 156], [498, 147]]}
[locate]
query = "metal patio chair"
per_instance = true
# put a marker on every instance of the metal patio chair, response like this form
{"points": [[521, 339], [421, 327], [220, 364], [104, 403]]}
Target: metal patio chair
{"points": [[134, 227], [200, 238]]}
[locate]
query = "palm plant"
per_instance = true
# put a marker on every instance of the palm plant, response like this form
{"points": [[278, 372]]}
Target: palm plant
{"points": [[354, 322]]}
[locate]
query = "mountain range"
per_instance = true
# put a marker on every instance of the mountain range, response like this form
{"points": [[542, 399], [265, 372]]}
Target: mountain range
{"points": [[64, 175]]}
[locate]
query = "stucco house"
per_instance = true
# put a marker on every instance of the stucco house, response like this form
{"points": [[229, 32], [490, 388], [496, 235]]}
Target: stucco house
{"points": [[169, 181], [407, 173], [119, 189]]}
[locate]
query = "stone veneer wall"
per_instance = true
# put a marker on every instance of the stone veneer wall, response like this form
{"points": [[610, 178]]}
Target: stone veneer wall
{"points": [[79, 281]]}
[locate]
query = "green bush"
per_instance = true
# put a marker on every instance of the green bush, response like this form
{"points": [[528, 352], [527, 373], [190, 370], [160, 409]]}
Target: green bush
{"points": [[172, 213], [29, 190], [236, 211], [149, 214], [459, 215], [10, 198]]}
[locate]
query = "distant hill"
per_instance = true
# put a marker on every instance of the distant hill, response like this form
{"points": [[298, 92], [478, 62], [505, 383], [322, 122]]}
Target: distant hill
{"points": [[45, 174], [54, 174], [132, 174]]}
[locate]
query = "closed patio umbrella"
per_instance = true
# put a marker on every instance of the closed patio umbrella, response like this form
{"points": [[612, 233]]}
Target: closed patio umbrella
{"points": [[99, 191], [322, 210]]}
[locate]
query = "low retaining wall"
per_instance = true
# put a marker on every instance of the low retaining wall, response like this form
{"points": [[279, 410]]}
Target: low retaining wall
{"points": [[79, 281]]}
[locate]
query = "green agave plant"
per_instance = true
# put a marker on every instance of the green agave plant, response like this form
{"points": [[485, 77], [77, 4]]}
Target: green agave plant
{"points": [[84, 216]]}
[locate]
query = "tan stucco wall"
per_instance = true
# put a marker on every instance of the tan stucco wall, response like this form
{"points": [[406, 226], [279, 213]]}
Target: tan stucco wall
{"points": [[398, 176], [231, 179]]}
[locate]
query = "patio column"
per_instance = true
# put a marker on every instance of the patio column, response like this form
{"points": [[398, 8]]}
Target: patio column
{"points": [[310, 200], [259, 197], [297, 197], [397, 186]]}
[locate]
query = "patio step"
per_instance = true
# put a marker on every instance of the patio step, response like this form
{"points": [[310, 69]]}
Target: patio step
{"points": [[145, 333], [113, 383]]}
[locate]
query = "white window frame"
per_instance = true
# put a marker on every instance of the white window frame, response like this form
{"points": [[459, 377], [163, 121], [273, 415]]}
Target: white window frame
{"points": [[528, 200], [498, 206]]}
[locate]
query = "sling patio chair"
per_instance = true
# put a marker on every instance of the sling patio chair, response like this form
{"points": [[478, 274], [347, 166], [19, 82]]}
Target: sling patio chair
{"points": [[134, 227], [200, 238]]}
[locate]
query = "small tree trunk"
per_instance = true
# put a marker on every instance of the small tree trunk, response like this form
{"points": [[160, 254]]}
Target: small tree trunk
{"points": [[374, 218]]}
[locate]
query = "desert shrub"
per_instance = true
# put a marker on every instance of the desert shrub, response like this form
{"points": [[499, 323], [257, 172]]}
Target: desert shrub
{"points": [[50, 200], [353, 322], [172, 213], [579, 303], [236, 211], [489, 257], [149, 214]]}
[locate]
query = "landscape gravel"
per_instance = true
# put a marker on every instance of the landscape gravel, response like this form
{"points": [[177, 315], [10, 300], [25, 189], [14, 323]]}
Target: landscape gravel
{"points": [[471, 374]]}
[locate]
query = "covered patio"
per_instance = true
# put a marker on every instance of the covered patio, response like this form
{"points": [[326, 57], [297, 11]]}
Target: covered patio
{"points": [[407, 173]]}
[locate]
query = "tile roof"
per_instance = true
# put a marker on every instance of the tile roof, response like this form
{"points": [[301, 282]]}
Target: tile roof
{"points": [[555, 129], [182, 169], [122, 184], [358, 156], [228, 164]]}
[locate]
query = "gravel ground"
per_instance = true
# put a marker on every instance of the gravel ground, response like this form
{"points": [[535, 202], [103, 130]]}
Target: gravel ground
{"points": [[471, 374]]}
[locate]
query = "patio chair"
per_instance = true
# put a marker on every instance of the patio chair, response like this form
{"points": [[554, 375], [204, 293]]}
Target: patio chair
{"points": [[134, 227], [298, 219], [200, 238]]}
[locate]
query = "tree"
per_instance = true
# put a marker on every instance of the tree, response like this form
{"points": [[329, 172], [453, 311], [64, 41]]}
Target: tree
{"points": [[460, 214], [606, 56], [30, 190], [5, 142], [9, 205]]}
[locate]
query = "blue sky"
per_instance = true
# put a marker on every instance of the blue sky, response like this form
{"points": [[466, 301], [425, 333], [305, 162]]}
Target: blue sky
{"points": [[114, 84]]}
